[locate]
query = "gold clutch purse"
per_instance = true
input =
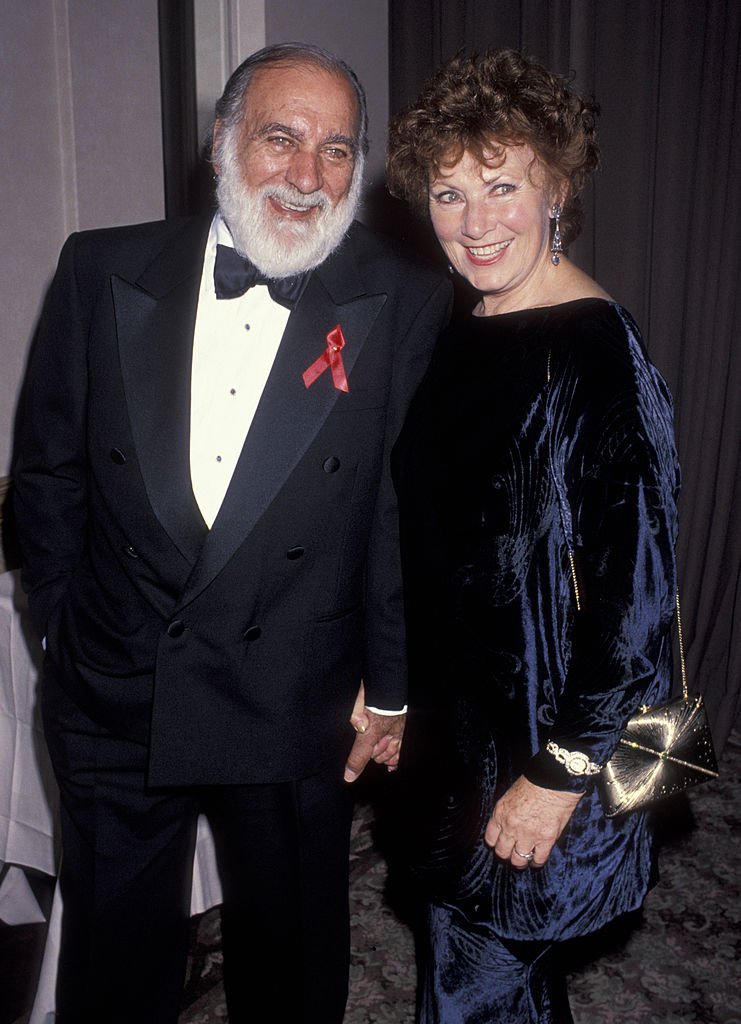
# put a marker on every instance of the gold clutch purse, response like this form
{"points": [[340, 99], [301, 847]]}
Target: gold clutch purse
{"points": [[663, 750]]}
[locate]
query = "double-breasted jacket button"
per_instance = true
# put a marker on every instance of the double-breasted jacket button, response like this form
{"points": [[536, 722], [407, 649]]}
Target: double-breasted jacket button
{"points": [[131, 552], [331, 465], [253, 633], [176, 628], [118, 456], [295, 552]]}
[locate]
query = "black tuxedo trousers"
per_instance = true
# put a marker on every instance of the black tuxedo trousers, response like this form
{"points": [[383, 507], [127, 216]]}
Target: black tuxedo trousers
{"points": [[282, 853]]}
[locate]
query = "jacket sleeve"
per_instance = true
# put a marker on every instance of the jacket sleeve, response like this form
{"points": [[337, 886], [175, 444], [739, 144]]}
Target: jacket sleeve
{"points": [[620, 480], [385, 657], [49, 472]]}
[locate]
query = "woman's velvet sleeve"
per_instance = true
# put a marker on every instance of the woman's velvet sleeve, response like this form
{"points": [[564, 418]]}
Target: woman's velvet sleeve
{"points": [[613, 458]]}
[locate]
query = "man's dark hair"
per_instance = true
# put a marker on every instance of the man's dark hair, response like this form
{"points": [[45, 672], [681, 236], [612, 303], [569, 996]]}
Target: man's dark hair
{"points": [[230, 108]]}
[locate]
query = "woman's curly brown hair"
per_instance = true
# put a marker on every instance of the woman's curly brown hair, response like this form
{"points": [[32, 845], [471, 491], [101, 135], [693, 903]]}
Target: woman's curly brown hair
{"points": [[482, 103]]}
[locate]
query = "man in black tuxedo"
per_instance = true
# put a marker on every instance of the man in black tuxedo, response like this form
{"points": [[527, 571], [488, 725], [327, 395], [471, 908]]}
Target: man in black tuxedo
{"points": [[210, 546]]}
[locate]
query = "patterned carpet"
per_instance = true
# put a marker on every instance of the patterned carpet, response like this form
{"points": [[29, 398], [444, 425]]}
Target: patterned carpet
{"points": [[679, 962]]}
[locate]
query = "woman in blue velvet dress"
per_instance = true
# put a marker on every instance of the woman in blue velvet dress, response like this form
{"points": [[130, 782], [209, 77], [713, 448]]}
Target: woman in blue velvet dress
{"points": [[538, 482]]}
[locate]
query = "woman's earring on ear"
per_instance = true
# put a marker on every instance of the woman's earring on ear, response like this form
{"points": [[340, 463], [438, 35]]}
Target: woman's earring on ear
{"points": [[451, 269], [556, 243]]}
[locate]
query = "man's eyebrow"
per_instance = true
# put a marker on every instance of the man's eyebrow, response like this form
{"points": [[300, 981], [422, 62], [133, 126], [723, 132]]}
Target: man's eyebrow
{"points": [[284, 129], [342, 140]]}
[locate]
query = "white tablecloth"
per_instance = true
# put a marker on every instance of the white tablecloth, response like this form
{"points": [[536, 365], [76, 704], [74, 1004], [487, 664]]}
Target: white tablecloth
{"points": [[27, 791], [28, 797]]}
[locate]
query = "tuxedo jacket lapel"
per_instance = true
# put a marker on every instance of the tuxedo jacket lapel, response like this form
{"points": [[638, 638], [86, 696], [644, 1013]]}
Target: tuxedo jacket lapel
{"points": [[289, 415], [155, 318]]}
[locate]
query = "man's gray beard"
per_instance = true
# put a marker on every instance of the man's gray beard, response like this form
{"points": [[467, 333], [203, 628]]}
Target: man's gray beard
{"points": [[282, 248]]}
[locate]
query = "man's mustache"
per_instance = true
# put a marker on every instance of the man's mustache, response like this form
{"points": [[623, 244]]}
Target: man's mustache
{"points": [[291, 196]]}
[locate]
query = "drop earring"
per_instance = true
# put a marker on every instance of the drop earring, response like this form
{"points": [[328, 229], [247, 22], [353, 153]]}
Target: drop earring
{"points": [[556, 243]]}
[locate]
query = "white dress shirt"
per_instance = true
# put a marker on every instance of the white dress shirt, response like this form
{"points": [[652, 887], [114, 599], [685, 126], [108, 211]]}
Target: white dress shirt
{"points": [[234, 346]]}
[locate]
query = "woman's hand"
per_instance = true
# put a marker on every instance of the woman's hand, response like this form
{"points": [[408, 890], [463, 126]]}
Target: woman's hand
{"points": [[527, 821]]}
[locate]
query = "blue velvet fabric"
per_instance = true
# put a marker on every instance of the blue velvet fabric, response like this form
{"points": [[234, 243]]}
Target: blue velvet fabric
{"points": [[514, 408], [472, 978]]}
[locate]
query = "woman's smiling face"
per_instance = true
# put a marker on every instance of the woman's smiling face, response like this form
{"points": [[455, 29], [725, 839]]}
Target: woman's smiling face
{"points": [[494, 224]]}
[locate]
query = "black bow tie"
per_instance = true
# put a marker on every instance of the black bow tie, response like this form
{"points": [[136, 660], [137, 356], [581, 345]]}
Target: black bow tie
{"points": [[233, 275]]}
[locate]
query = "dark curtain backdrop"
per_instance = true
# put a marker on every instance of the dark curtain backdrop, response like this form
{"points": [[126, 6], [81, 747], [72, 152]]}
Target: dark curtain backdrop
{"points": [[662, 234]]}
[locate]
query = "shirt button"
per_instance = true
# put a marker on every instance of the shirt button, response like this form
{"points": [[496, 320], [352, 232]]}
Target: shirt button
{"points": [[118, 456], [295, 552], [176, 628], [253, 633], [331, 465], [131, 552]]}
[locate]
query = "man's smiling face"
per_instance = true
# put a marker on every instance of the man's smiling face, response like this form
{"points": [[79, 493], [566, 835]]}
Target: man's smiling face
{"points": [[288, 186]]}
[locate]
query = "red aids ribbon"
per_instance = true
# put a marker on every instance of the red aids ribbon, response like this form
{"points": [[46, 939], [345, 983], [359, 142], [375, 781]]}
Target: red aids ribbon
{"points": [[329, 358]]}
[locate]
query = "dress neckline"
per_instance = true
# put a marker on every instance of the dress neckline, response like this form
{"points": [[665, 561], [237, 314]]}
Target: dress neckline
{"points": [[536, 311]]}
